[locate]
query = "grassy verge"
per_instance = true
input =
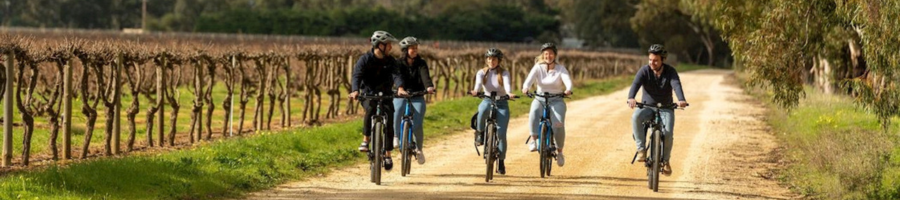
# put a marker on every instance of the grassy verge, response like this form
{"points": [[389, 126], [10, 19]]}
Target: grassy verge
{"points": [[230, 168], [835, 150]]}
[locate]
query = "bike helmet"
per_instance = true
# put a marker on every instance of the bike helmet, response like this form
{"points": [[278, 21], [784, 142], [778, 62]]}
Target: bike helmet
{"points": [[382, 37], [408, 41], [494, 52], [550, 46], [658, 49]]}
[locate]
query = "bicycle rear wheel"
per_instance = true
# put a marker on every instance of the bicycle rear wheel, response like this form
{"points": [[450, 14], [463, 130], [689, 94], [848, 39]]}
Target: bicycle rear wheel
{"points": [[489, 153], [378, 145], [656, 153], [405, 149]]}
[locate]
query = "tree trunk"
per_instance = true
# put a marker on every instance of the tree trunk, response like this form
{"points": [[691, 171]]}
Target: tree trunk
{"points": [[196, 117], [135, 86], [173, 100], [227, 104], [211, 72], [87, 109], [286, 97], [25, 107]]}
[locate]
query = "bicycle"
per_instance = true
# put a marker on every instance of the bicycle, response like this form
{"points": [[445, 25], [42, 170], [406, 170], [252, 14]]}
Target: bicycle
{"points": [[407, 148], [491, 140], [545, 140], [656, 144], [376, 160]]}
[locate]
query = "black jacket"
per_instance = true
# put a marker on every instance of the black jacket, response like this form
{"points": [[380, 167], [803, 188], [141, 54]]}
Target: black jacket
{"points": [[657, 90], [371, 74], [416, 77]]}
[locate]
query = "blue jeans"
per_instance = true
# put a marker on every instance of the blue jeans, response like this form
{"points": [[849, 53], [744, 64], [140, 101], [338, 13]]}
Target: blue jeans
{"points": [[557, 117], [640, 133], [502, 121], [417, 110]]}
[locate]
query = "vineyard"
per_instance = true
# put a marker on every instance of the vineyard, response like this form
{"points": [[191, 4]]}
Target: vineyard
{"points": [[175, 91]]}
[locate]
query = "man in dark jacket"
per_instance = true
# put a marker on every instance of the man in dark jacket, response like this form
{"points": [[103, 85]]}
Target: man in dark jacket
{"points": [[658, 80], [376, 72]]}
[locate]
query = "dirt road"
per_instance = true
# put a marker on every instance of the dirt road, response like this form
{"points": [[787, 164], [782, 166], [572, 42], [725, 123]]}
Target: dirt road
{"points": [[721, 151]]}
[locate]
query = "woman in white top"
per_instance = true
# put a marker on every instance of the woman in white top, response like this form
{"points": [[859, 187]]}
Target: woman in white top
{"points": [[550, 77], [490, 79]]}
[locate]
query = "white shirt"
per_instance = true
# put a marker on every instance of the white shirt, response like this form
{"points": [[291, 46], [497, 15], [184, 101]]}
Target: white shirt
{"points": [[493, 85], [554, 81]]}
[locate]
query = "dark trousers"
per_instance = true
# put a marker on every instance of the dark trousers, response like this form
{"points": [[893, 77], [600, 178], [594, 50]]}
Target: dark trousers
{"points": [[387, 108]]}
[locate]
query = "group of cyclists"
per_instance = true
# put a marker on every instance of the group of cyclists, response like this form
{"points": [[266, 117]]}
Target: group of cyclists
{"points": [[378, 72]]}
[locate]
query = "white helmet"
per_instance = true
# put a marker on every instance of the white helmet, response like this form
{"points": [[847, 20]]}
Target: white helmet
{"points": [[408, 41], [382, 37]]}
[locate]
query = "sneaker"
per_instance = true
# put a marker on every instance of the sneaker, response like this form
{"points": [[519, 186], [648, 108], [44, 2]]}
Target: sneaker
{"points": [[666, 169], [479, 138], [420, 157], [364, 147], [532, 146], [501, 168], [560, 159], [642, 156], [388, 163], [396, 142]]}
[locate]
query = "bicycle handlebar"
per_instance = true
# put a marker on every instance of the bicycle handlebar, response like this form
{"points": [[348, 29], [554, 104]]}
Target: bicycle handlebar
{"points": [[667, 106], [374, 96], [504, 97], [545, 95], [411, 94]]}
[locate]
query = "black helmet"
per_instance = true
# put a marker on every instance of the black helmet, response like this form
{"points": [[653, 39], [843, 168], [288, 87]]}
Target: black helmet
{"points": [[408, 41], [382, 37], [494, 52], [550, 46], [658, 49]]}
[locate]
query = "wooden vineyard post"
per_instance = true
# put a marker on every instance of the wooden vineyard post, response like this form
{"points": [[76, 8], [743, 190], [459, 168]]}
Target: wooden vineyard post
{"points": [[161, 98], [117, 70], [7, 111], [67, 111]]}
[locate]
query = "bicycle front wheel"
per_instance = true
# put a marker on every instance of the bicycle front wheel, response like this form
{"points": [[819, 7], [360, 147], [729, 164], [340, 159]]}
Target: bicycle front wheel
{"points": [[378, 145], [542, 153], [406, 149], [656, 154], [489, 153]]}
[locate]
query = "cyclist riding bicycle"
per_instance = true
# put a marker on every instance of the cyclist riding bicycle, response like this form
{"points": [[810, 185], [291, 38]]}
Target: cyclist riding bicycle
{"points": [[550, 77], [375, 72], [658, 80], [414, 73], [493, 78]]}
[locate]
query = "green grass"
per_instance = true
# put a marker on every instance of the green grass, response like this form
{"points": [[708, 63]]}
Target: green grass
{"points": [[229, 168], [835, 150]]}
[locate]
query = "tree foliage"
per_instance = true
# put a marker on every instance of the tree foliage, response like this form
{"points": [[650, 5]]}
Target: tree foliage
{"points": [[778, 41], [601, 23]]}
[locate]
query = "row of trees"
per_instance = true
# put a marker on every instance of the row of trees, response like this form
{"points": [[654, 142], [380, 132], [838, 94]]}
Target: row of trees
{"points": [[845, 47], [457, 20], [49, 72]]}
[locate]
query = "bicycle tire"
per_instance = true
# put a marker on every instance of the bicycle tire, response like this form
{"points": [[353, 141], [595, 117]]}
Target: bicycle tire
{"points": [[657, 156], [542, 149], [379, 150], [404, 149], [549, 157], [549, 162], [489, 152]]}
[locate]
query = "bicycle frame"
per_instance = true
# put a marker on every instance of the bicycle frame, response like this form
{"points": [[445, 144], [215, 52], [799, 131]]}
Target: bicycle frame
{"points": [[406, 133], [545, 138], [656, 144], [491, 146], [407, 119], [377, 136]]}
